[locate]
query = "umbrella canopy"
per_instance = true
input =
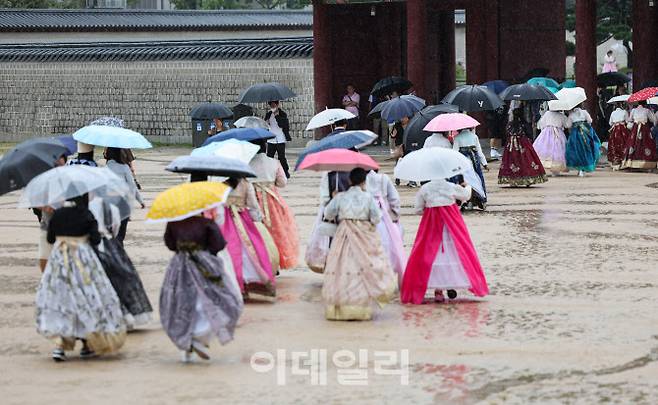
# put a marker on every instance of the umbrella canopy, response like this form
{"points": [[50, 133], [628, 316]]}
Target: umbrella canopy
{"points": [[340, 140], [619, 99], [653, 100], [114, 137], [497, 86], [544, 81], [230, 148], [527, 92], [57, 185], [342, 160], [109, 121], [211, 166], [643, 94], [241, 134], [328, 117], [472, 98], [28, 160], [186, 200], [567, 84], [567, 99], [400, 107], [451, 122], [431, 164], [264, 92], [68, 141], [612, 79], [389, 85], [414, 134], [251, 122], [209, 111], [377, 111]]}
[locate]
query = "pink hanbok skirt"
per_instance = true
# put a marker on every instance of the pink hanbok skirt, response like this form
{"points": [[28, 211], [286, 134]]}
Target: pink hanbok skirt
{"points": [[550, 146]]}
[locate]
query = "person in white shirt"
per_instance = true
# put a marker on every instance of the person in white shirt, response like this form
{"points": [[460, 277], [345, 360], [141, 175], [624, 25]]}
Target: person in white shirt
{"points": [[583, 146], [468, 144], [551, 143], [280, 127], [640, 152], [618, 135], [437, 140]]}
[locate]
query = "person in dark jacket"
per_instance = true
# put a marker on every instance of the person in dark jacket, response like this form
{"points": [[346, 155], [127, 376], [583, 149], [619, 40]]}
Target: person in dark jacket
{"points": [[280, 127]]}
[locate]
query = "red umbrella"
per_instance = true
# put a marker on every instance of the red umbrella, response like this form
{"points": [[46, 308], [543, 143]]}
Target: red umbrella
{"points": [[643, 94], [341, 160]]}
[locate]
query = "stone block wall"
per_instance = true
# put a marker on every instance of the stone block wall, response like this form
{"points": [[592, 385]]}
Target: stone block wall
{"points": [[153, 97]]}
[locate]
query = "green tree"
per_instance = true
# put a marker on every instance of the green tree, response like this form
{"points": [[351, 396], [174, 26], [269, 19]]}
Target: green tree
{"points": [[185, 4], [25, 3]]}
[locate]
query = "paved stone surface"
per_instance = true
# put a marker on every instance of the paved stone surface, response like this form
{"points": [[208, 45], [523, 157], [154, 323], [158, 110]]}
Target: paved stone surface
{"points": [[571, 317]]}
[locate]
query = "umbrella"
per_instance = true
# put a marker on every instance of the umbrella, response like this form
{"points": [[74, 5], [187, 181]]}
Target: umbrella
{"points": [[567, 84], [535, 72], [342, 160], [114, 137], [28, 160], [400, 107], [242, 110], [340, 140], [109, 121], [619, 99], [473, 98], [653, 100], [643, 94], [527, 92], [264, 92], [230, 148], [390, 84], [497, 86], [567, 99], [251, 122], [414, 135], [328, 117], [68, 141], [211, 166], [241, 134], [451, 122], [544, 81], [186, 200], [431, 164], [377, 111], [612, 79], [65, 182], [209, 111]]}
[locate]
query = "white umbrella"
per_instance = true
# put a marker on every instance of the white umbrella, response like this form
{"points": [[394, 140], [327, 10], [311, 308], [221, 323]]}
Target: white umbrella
{"points": [[653, 100], [251, 122], [432, 164], [619, 99], [231, 148], [57, 185], [109, 136], [328, 117], [567, 99]]}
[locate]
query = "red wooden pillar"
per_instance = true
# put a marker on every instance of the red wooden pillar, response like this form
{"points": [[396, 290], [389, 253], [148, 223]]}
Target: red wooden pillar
{"points": [[586, 67], [645, 33], [322, 58], [475, 43], [492, 43], [447, 57], [417, 45]]}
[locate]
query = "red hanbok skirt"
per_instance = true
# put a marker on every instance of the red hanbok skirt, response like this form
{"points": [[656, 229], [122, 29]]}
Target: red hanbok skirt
{"points": [[617, 141], [520, 166], [640, 152]]}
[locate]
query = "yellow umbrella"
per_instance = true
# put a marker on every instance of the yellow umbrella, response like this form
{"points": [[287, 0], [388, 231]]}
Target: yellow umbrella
{"points": [[187, 200]]}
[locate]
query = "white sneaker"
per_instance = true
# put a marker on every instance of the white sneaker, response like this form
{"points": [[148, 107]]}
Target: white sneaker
{"points": [[201, 350], [581, 173], [495, 155], [186, 356]]}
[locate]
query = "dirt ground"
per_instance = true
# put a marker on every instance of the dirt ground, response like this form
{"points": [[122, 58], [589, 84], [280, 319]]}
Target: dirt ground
{"points": [[571, 317]]}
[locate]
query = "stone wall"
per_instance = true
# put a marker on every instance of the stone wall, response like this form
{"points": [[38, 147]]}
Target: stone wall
{"points": [[153, 97]]}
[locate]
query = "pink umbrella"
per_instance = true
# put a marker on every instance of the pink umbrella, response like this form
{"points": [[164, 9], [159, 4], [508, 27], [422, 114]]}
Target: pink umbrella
{"points": [[342, 160], [450, 122]]}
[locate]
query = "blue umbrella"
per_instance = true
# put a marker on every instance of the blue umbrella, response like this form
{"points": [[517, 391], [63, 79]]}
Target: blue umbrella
{"points": [[497, 86], [111, 137], [339, 140], [210, 166], [400, 107], [543, 81], [68, 141], [241, 134]]}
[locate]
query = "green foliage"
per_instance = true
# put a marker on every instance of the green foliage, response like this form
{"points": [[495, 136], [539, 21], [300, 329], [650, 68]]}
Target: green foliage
{"points": [[614, 19], [185, 4], [571, 48]]}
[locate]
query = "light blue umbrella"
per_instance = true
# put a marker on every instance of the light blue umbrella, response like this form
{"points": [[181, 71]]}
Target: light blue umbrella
{"points": [[544, 81], [111, 137], [568, 84]]}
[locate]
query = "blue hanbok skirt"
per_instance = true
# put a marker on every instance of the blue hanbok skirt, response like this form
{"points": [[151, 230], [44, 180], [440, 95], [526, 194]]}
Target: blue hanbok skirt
{"points": [[583, 147]]}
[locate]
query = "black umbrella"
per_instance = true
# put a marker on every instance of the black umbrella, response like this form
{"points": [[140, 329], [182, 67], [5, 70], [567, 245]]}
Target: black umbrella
{"points": [[264, 92], [242, 110], [209, 111], [414, 136], [527, 92], [28, 160], [210, 166], [612, 79], [472, 98], [390, 84]]}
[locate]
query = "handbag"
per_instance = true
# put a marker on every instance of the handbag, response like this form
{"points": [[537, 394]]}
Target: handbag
{"points": [[327, 229]]}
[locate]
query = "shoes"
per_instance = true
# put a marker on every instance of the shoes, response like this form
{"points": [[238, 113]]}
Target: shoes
{"points": [[200, 350], [59, 355], [452, 294], [438, 296], [397, 182], [186, 356], [495, 155], [581, 173], [87, 353], [412, 184]]}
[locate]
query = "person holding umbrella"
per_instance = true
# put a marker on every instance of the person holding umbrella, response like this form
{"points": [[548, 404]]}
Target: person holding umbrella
{"points": [[551, 143], [280, 127], [85, 155], [583, 147], [115, 162], [520, 165], [619, 134], [468, 144], [640, 151]]}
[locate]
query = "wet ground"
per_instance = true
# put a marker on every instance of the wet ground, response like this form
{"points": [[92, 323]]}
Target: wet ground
{"points": [[571, 317]]}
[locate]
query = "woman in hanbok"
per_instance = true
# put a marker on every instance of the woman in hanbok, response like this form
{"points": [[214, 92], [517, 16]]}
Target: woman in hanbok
{"points": [[357, 276], [197, 301], [390, 231], [640, 151], [245, 243], [75, 299], [437, 140], [520, 165], [551, 143], [610, 63], [119, 268], [468, 144], [583, 146], [277, 216], [443, 256], [618, 136], [116, 163]]}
